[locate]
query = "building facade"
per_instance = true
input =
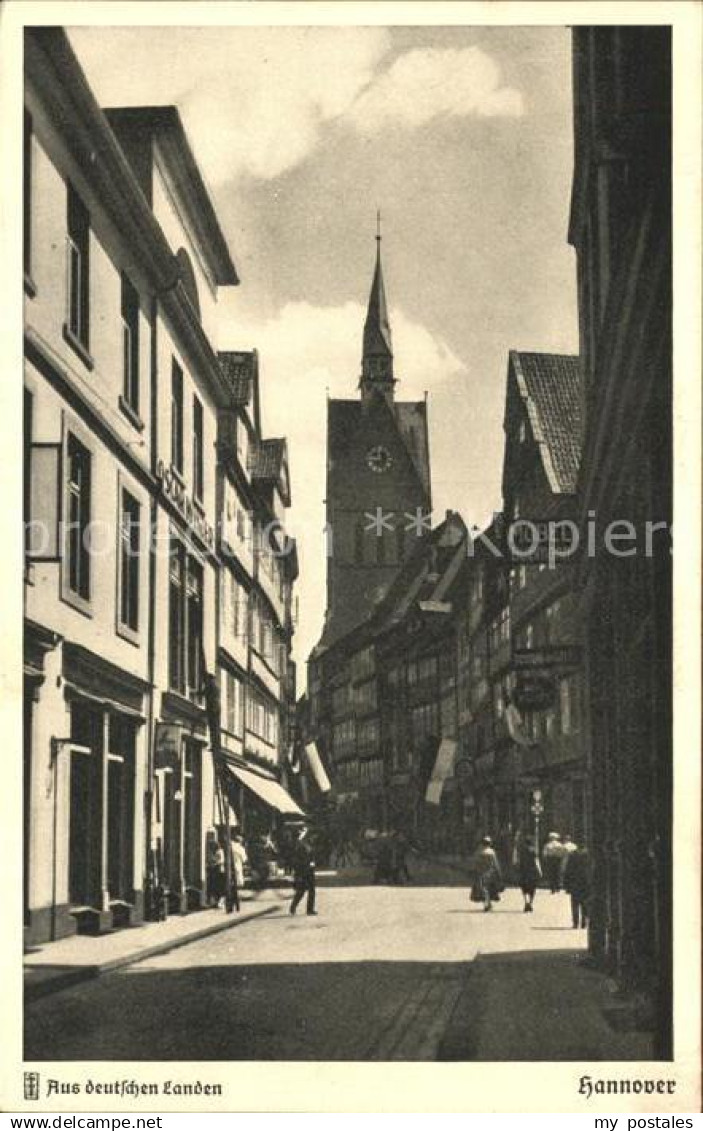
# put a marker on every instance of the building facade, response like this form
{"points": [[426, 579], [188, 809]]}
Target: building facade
{"points": [[620, 227], [383, 698], [124, 395]]}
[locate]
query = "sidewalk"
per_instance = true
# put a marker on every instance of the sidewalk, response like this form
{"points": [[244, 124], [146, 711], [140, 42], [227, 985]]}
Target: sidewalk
{"points": [[540, 1005], [57, 965]]}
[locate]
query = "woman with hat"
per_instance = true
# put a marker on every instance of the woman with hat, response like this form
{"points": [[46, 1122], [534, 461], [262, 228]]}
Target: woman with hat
{"points": [[488, 881], [552, 858]]}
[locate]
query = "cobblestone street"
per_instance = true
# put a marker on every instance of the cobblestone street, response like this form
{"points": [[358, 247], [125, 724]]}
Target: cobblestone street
{"points": [[382, 973]]}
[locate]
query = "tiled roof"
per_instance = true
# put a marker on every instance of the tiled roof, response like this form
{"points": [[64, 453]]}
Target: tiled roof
{"points": [[238, 371], [267, 458], [551, 386]]}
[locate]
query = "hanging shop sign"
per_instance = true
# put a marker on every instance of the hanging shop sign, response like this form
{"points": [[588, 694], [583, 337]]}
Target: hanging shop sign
{"points": [[534, 692], [561, 656], [175, 492], [167, 746]]}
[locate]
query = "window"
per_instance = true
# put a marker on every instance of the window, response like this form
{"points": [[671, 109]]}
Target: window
{"points": [[194, 624], [177, 416], [78, 244], [185, 621], [381, 548], [27, 198], [130, 345], [129, 562], [523, 431], [198, 476], [359, 543], [77, 549], [233, 700], [176, 615]]}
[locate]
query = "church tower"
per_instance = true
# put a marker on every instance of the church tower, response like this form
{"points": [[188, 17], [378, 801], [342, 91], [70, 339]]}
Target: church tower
{"points": [[378, 478]]}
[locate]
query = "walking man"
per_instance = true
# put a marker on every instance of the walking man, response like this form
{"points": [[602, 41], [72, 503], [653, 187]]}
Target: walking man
{"points": [[552, 857], [577, 881], [303, 875]]}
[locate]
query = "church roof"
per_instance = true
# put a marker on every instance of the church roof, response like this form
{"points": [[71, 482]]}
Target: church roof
{"points": [[550, 387], [377, 328]]}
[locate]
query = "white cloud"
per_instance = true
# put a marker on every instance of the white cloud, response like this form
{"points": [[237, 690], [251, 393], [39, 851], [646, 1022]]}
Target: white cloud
{"points": [[307, 352], [429, 83], [253, 100]]}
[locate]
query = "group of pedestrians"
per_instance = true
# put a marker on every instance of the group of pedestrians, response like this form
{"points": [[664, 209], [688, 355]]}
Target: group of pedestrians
{"points": [[564, 865]]}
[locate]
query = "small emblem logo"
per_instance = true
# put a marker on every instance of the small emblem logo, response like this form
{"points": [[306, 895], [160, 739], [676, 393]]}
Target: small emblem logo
{"points": [[31, 1085]]}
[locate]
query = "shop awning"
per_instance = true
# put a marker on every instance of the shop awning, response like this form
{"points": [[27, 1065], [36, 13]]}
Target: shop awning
{"points": [[267, 789]]}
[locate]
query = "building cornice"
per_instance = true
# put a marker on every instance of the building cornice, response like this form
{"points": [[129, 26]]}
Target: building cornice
{"points": [[53, 70]]}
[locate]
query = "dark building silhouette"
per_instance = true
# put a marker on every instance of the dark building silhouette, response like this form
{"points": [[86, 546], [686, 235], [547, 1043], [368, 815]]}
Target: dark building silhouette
{"points": [[620, 227]]}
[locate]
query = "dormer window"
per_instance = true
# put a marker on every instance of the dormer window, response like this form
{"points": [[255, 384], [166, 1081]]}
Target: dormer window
{"points": [[522, 431]]}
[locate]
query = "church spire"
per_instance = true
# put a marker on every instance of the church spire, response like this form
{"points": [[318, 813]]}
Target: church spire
{"points": [[377, 359]]}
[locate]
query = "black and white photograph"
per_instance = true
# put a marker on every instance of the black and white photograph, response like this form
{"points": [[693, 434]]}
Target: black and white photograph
{"points": [[351, 716]]}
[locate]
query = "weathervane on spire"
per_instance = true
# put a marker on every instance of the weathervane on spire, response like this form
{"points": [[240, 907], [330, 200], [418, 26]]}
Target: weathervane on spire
{"points": [[378, 225]]}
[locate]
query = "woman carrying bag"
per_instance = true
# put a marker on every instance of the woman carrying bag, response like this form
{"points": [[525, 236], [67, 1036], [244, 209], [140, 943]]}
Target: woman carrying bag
{"points": [[488, 881]]}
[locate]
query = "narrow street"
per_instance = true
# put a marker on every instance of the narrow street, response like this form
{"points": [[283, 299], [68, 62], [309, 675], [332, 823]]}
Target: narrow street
{"points": [[379, 974]]}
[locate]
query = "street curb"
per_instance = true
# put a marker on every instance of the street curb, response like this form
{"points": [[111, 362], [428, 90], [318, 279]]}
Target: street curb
{"points": [[88, 973]]}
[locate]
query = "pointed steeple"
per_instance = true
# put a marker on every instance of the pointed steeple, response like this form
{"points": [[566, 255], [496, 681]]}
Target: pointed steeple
{"points": [[377, 359]]}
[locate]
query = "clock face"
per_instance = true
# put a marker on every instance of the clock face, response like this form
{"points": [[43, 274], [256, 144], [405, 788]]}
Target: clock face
{"points": [[379, 459]]}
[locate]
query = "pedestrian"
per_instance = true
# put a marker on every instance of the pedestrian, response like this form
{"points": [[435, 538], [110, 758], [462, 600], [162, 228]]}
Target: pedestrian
{"points": [[239, 859], [487, 877], [552, 856], [400, 863], [214, 867], [529, 872], [303, 875], [567, 847], [383, 872], [577, 881]]}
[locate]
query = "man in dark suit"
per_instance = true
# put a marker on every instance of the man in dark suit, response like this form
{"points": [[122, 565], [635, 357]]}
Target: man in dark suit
{"points": [[303, 875]]}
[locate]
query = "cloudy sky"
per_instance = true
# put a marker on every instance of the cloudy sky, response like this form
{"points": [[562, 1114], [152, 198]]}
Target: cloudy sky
{"points": [[461, 135]]}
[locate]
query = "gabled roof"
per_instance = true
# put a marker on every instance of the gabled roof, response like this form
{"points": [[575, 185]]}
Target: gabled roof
{"points": [[550, 387], [136, 128], [427, 581], [238, 371]]}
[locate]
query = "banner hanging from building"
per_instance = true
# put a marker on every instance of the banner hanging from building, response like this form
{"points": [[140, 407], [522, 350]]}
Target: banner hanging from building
{"points": [[443, 767], [317, 769]]}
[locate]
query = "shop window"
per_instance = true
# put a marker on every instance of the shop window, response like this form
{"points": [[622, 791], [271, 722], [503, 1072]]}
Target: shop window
{"points": [[177, 416], [129, 561], [78, 269], [130, 346], [198, 470], [78, 513]]}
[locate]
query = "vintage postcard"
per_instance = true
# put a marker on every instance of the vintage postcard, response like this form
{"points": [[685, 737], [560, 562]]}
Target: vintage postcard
{"points": [[352, 660]]}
